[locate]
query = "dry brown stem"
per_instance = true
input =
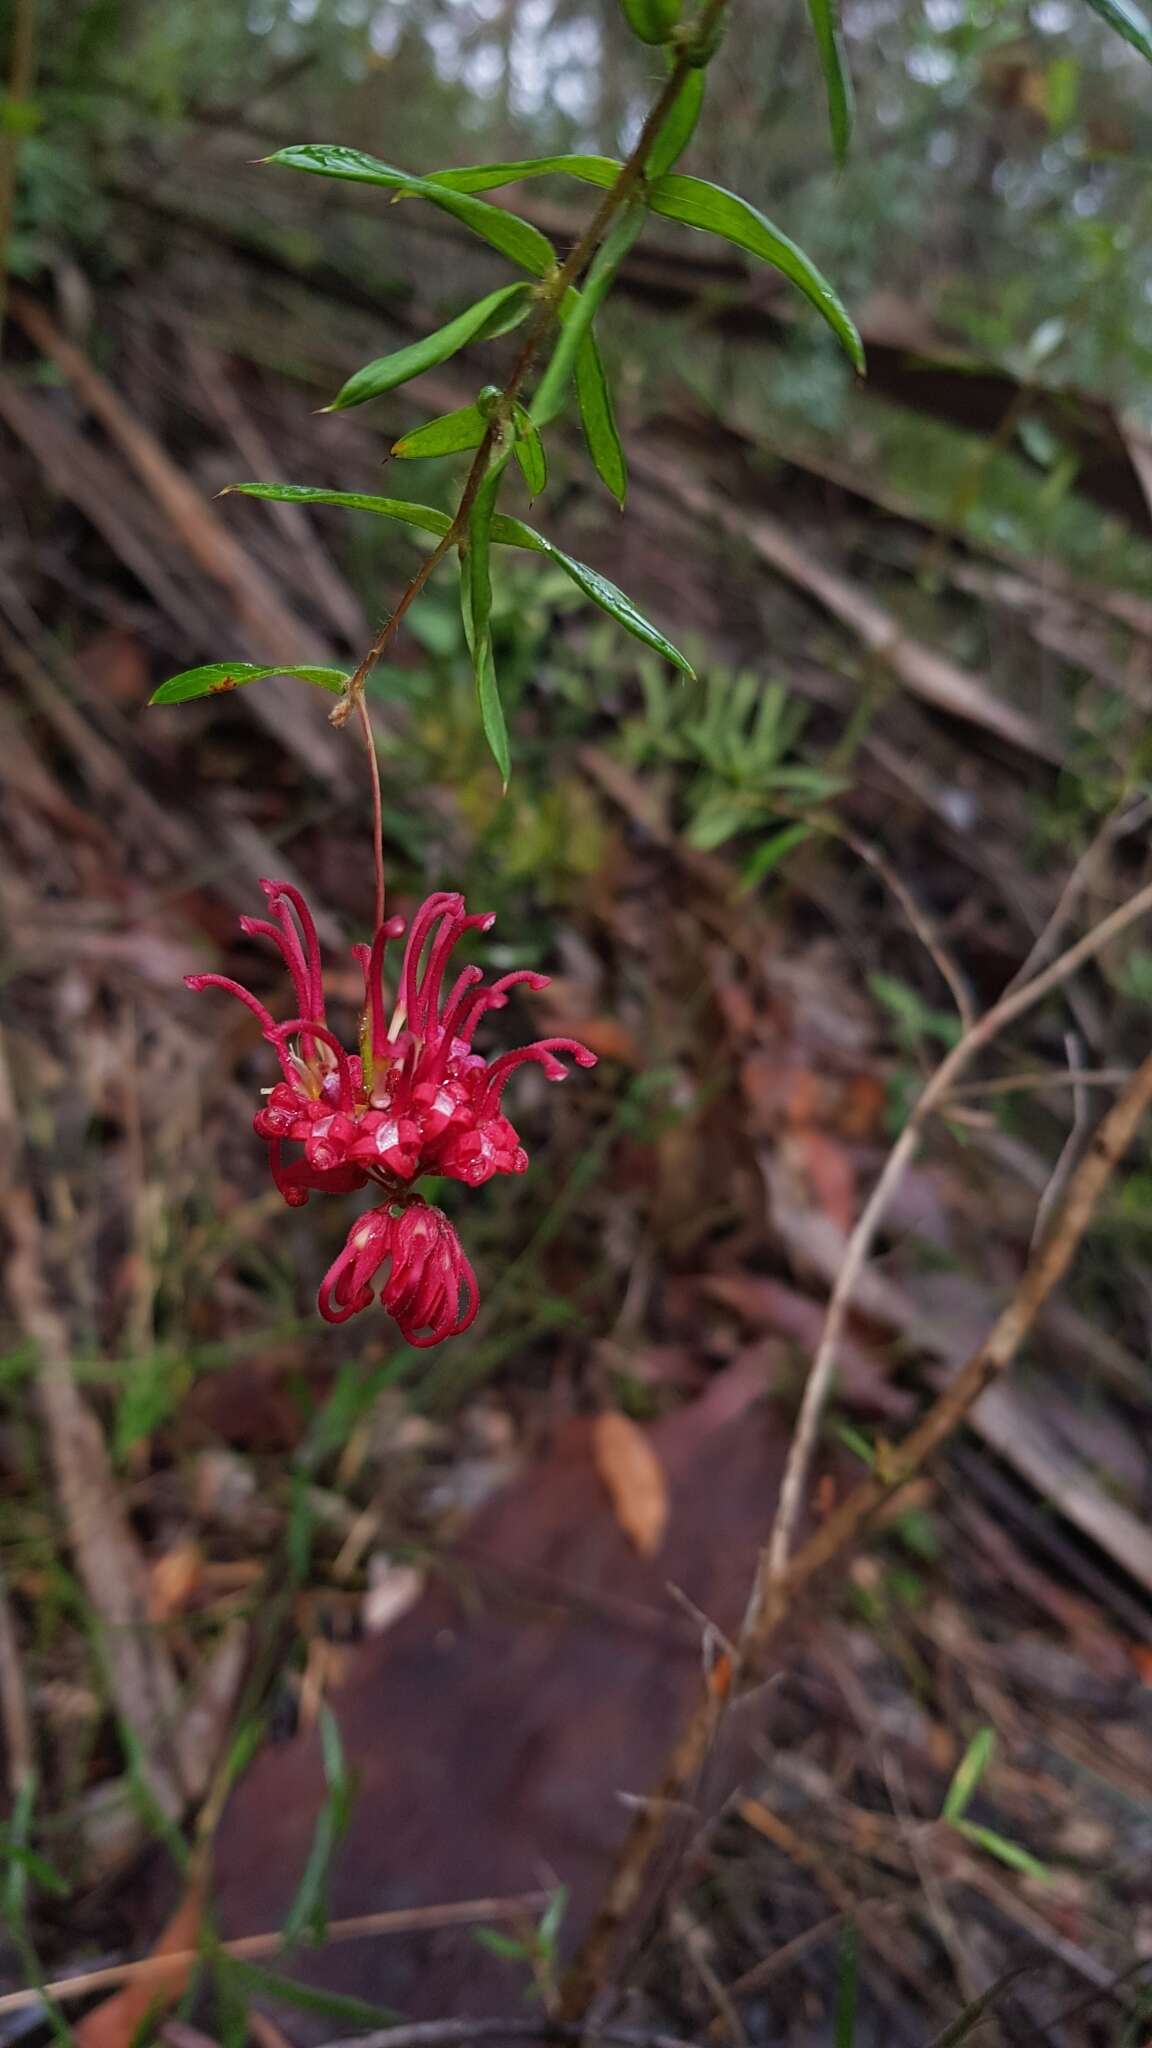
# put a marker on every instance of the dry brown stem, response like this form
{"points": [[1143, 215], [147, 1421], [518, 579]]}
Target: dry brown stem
{"points": [[407, 1920], [1013, 1003]]}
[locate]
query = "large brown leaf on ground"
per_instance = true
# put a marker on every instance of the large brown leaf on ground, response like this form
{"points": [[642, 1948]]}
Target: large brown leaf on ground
{"points": [[494, 1729]]}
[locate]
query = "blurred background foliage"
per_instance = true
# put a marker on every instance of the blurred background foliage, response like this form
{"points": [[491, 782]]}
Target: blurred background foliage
{"points": [[999, 168]]}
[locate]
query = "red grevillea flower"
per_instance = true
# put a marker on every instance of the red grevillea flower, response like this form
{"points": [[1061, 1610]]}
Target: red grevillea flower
{"points": [[414, 1098], [430, 1288]]}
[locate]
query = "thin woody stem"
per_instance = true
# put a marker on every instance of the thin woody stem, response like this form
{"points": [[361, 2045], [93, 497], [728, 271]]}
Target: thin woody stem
{"points": [[1016, 1000], [552, 294], [377, 806]]}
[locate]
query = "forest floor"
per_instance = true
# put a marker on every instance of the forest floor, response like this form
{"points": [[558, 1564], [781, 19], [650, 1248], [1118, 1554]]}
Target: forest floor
{"points": [[342, 1664]]}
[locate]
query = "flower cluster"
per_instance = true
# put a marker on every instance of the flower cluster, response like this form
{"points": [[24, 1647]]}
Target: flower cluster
{"points": [[413, 1099]]}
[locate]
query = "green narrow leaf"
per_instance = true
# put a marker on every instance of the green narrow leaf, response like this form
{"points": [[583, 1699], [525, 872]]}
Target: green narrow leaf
{"points": [[490, 316], [651, 20], [308, 1912], [825, 18], [846, 1990], [1004, 1850], [428, 518], [444, 436], [591, 170], [620, 607], [697, 204], [1129, 21], [215, 677], [517, 239], [598, 419], [515, 533], [552, 1920], [678, 126], [335, 2005], [773, 850], [529, 451], [508, 532], [476, 605], [968, 1773], [492, 711], [505, 1946], [577, 311]]}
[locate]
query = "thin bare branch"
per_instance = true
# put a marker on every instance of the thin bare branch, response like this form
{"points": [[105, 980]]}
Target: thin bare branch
{"points": [[1117, 825], [410, 1920], [917, 917], [1011, 1005]]}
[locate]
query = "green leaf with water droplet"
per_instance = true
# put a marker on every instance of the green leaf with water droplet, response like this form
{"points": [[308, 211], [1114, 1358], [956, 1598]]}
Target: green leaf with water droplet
{"points": [[517, 239], [428, 518]]}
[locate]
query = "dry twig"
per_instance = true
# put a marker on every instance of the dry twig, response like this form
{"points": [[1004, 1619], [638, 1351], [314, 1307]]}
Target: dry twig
{"points": [[409, 1920], [1011, 1005]]}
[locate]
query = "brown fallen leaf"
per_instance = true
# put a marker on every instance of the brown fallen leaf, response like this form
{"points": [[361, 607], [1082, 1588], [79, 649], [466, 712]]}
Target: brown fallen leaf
{"points": [[118, 2021], [634, 1478], [829, 1173], [173, 1578]]}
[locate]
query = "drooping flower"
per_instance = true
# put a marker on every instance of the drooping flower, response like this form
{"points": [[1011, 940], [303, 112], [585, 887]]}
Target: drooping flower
{"points": [[414, 1098], [429, 1288]]}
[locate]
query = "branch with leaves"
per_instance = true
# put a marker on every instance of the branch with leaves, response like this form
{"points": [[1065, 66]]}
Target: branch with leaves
{"points": [[506, 424]]}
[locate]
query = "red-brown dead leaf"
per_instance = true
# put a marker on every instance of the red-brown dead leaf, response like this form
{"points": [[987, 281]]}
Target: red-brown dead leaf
{"points": [[1141, 1655], [862, 1106], [829, 1173], [117, 2022], [808, 1098], [634, 1478]]}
